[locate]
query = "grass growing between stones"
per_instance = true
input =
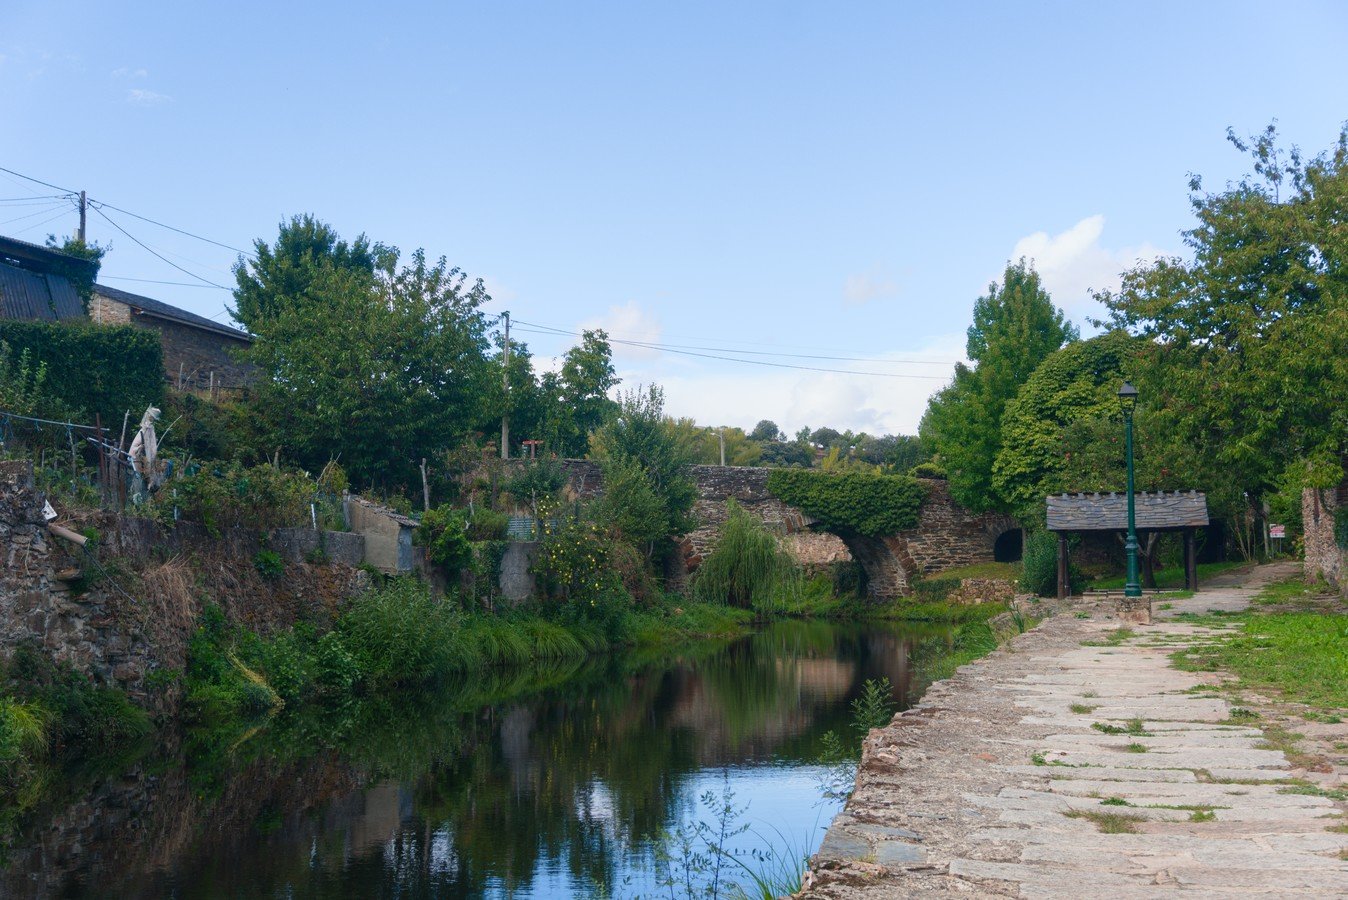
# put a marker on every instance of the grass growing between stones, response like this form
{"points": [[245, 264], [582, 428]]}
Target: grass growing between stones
{"points": [[1113, 639], [1082, 709], [1108, 822], [1134, 726], [1135, 747]]}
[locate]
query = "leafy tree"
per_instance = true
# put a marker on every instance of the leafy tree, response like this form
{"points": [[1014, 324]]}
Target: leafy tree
{"points": [[381, 372], [826, 438], [295, 271], [1015, 327], [704, 444], [1252, 331], [766, 430], [80, 277], [577, 396], [787, 454], [641, 436]]}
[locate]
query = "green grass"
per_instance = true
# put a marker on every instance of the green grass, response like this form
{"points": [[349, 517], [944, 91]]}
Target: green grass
{"points": [[1108, 822], [1082, 709], [1289, 592], [1170, 578], [1135, 747], [1301, 655], [1133, 727], [1113, 639]]}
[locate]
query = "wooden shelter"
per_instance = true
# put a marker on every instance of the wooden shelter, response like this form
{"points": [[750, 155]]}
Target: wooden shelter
{"points": [[1181, 511]]}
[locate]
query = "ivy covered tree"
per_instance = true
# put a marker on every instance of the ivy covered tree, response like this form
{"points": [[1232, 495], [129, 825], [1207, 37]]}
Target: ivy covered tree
{"points": [[1015, 328]]}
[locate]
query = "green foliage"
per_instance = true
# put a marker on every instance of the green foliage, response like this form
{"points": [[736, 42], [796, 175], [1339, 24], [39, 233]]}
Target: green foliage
{"points": [[21, 381], [207, 428], [873, 505], [1251, 334], [648, 495], [574, 561], [536, 480], [934, 590], [23, 730], [578, 401], [928, 470], [83, 714], [269, 564], [444, 533], [361, 358], [1015, 328], [1039, 567], [82, 277], [89, 368], [1341, 527], [747, 568], [262, 497], [875, 707], [398, 633]]}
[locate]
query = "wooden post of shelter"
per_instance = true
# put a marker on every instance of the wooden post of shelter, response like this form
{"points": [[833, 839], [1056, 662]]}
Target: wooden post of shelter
{"points": [[1063, 586], [1190, 560]]}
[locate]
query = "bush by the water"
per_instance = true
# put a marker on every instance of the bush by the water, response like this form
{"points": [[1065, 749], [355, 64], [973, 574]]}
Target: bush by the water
{"points": [[397, 632], [747, 568]]}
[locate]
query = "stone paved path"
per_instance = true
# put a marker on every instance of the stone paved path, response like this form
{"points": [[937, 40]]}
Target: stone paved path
{"points": [[997, 783]]}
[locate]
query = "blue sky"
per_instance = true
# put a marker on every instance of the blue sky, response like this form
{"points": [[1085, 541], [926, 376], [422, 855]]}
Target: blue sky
{"points": [[819, 179]]}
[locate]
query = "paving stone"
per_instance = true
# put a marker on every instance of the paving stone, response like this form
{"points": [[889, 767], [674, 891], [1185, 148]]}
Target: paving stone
{"points": [[898, 853]]}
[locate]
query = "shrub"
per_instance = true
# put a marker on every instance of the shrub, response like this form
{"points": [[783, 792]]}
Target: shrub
{"points": [[82, 712], [398, 633], [23, 730], [487, 525], [928, 470], [862, 503], [573, 561], [269, 564], [536, 480], [747, 567], [93, 368], [262, 497], [934, 590], [1040, 572], [444, 534], [335, 668]]}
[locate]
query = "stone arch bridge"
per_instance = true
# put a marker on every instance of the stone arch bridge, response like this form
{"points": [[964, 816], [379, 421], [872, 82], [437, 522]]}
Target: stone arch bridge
{"points": [[946, 536]]}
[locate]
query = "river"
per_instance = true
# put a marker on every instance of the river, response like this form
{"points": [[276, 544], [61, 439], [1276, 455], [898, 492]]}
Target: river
{"points": [[556, 782]]}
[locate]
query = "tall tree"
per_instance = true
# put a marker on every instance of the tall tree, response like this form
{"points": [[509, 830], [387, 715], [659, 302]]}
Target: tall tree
{"points": [[290, 273], [1015, 328], [577, 396], [375, 371], [1252, 332]]}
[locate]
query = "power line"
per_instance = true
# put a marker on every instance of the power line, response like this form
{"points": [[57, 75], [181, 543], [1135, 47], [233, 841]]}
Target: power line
{"points": [[41, 212], [178, 230], [866, 359], [55, 187], [64, 212], [751, 362], [157, 281], [157, 255]]}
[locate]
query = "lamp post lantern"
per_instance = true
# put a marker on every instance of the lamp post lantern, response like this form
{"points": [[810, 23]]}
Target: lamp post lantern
{"points": [[1128, 400]]}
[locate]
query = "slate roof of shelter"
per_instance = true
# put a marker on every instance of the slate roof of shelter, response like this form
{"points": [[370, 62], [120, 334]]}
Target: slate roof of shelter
{"points": [[32, 286], [404, 521], [1109, 512], [151, 307]]}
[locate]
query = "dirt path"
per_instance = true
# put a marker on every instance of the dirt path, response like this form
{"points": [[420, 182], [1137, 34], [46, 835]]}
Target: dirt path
{"points": [[1010, 779]]}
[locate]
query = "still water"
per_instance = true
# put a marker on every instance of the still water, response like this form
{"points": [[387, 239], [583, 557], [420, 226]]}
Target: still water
{"points": [[557, 782]]}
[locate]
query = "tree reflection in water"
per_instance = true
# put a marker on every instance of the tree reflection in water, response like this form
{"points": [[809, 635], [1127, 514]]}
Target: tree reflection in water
{"points": [[551, 781]]}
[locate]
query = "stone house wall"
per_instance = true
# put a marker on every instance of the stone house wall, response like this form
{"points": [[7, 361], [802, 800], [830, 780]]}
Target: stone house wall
{"points": [[191, 354], [1324, 557]]}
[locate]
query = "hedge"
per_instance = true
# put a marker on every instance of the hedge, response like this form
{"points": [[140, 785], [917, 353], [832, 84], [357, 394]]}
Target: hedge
{"points": [[93, 368], [872, 505]]}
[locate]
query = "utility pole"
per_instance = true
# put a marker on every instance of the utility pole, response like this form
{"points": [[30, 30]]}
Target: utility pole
{"points": [[84, 203], [720, 433], [505, 381]]}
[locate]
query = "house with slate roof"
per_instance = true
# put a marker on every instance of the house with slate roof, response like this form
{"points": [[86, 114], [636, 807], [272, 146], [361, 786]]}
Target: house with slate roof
{"points": [[36, 286]]}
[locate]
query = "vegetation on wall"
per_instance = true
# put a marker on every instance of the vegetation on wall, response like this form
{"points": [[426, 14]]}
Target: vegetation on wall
{"points": [[872, 505], [88, 368]]}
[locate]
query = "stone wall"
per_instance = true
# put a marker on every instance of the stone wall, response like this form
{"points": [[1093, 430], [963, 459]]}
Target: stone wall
{"points": [[119, 622], [302, 544], [947, 536], [197, 354], [1324, 556]]}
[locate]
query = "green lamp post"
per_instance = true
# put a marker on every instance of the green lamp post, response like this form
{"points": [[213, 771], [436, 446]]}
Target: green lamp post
{"points": [[1128, 400]]}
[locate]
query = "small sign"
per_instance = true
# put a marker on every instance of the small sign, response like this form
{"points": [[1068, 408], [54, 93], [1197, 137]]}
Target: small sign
{"points": [[47, 512], [1277, 531]]}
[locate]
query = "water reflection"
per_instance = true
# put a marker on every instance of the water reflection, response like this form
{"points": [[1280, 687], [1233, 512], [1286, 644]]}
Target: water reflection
{"points": [[553, 782]]}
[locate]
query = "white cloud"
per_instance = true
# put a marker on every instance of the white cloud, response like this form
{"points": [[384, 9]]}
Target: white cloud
{"points": [[743, 394], [125, 72], [142, 97], [629, 322], [861, 289], [1074, 262]]}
